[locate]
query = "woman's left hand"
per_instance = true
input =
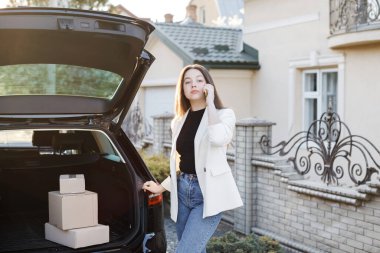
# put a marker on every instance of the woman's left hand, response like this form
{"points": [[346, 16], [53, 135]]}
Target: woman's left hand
{"points": [[209, 93], [153, 187]]}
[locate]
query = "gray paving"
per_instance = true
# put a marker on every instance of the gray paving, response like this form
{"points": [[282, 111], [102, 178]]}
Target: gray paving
{"points": [[171, 235]]}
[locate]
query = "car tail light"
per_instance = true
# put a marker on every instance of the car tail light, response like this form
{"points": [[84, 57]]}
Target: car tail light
{"points": [[154, 199]]}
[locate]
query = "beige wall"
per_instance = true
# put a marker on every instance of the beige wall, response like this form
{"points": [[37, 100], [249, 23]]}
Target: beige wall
{"points": [[283, 32], [234, 89], [163, 72], [166, 66], [363, 91], [292, 36]]}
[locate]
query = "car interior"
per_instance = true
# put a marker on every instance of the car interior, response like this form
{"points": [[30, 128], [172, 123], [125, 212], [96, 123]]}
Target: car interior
{"points": [[29, 171]]}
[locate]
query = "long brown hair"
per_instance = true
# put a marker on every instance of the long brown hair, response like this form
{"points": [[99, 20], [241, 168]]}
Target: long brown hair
{"points": [[182, 104]]}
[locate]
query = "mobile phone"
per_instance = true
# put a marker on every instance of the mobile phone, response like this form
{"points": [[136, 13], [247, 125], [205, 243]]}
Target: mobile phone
{"points": [[205, 93]]}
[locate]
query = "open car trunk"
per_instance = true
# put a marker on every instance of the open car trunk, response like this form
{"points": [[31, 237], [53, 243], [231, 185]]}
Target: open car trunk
{"points": [[28, 173], [74, 73]]}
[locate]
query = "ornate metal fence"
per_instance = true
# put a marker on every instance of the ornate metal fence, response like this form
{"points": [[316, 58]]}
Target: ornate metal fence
{"points": [[329, 148], [353, 15]]}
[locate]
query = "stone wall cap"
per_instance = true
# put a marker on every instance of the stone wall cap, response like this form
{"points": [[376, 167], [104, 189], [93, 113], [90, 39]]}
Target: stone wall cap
{"points": [[350, 192], [279, 160], [165, 115], [254, 122]]}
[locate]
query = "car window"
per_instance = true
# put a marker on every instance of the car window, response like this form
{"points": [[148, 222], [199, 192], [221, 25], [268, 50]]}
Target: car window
{"points": [[105, 146], [58, 142], [57, 79], [19, 138]]}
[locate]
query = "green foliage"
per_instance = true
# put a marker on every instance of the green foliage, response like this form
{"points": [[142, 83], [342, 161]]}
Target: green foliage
{"points": [[86, 81], [158, 165], [231, 242], [99, 5], [269, 244], [88, 4], [40, 3], [23, 79], [27, 79]]}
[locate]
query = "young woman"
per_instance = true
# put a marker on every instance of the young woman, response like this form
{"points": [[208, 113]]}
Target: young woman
{"points": [[201, 184]]}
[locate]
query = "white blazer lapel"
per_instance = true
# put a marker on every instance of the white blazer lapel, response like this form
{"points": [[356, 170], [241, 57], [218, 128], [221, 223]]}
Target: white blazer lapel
{"points": [[202, 128]]}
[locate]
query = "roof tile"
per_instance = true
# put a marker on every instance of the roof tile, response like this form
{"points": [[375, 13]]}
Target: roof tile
{"points": [[208, 44]]}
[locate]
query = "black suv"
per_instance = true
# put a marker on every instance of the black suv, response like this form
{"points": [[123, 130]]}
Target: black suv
{"points": [[67, 80]]}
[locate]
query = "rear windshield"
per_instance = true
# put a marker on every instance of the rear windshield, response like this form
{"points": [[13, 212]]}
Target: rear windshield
{"points": [[19, 143], [56, 79]]}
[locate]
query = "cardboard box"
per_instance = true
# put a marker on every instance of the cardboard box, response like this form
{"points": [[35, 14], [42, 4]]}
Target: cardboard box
{"points": [[68, 211], [73, 183], [79, 237]]}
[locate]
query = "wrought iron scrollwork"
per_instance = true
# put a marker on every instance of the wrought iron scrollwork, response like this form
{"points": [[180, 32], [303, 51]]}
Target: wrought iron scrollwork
{"points": [[328, 148], [349, 15]]}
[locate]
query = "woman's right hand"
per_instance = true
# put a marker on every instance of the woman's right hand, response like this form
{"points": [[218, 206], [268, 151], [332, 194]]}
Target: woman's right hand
{"points": [[153, 187]]}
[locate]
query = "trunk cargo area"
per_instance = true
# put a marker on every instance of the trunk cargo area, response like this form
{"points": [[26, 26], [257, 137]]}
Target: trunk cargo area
{"points": [[26, 180]]}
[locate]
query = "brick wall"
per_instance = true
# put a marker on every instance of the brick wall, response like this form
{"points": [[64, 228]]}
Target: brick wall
{"points": [[311, 223], [248, 134], [302, 218]]}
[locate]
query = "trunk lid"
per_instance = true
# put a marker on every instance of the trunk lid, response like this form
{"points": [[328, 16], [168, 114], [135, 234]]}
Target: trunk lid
{"points": [[78, 66]]}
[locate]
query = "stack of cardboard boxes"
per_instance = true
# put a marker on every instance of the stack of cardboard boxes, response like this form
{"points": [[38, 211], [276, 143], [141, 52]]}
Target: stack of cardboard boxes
{"points": [[73, 215]]}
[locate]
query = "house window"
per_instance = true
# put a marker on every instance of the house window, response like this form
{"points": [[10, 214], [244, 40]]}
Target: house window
{"points": [[319, 89]]}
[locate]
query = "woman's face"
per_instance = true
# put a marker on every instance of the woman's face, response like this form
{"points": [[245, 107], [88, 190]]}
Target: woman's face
{"points": [[193, 84]]}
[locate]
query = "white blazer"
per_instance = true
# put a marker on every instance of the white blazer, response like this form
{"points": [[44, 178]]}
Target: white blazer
{"points": [[217, 184]]}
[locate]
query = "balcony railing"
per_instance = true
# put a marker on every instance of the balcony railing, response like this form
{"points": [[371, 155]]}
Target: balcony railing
{"points": [[354, 15]]}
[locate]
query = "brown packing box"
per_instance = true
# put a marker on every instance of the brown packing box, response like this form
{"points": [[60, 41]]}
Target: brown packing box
{"points": [[72, 183], [68, 211], [79, 237]]}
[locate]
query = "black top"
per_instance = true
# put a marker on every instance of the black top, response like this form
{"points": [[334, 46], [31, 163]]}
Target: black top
{"points": [[185, 141]]}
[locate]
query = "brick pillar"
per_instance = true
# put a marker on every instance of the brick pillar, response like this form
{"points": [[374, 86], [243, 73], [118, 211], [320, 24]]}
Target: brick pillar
{"points": [[248, 135], [161, 131]]}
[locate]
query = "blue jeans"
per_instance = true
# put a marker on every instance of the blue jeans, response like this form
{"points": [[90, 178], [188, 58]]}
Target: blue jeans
{"points": [[192, 230]]}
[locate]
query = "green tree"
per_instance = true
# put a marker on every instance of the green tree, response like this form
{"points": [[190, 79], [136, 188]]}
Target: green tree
{"points": [[39, 3], [100, 5], [89, 4], [27, 79]]}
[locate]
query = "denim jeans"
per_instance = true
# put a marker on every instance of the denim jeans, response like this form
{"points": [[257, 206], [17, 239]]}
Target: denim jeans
{"points": [[193, 230]]}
